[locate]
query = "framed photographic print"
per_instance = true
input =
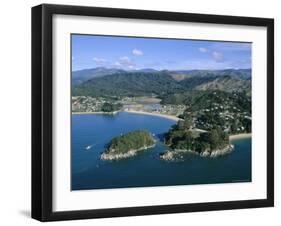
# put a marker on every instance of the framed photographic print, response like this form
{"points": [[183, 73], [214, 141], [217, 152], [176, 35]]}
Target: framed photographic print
{"points": [[145, 112]]}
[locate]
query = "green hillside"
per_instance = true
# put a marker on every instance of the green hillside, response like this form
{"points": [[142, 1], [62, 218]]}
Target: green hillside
{"points": [[129, 84], [142, 83]]}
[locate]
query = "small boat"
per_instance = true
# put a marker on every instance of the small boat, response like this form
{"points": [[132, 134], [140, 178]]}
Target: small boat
{"points": [[88, 147]]}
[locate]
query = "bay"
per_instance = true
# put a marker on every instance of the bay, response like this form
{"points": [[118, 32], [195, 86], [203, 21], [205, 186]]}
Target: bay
{"points": [[92, 132]]}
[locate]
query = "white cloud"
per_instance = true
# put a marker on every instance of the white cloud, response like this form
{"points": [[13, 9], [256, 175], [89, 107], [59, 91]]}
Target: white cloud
{"points": [[203, 50], [99, 61], [125, 62], [218, 57], [117, 64], [124, 58], [137, 52], [131, 67]]}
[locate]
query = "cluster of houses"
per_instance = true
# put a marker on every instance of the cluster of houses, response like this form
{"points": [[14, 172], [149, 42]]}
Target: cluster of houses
{"points": [[87, 104], [171, 109], [228, 117], [93, 104]]}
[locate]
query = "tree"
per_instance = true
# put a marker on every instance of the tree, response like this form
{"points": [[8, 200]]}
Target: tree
{"points": [[234, 127], [108, 107], [214, 139]]}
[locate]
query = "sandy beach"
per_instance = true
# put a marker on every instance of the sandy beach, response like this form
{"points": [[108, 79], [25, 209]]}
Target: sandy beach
{"points": [[174, 118], [240, 136], [171, 117]]}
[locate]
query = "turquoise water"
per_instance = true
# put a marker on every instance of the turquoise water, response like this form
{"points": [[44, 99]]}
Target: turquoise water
{"points": [[145, 169]]}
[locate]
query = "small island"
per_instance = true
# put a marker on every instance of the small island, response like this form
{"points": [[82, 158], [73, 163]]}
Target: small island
{"points": [[128, 145]]}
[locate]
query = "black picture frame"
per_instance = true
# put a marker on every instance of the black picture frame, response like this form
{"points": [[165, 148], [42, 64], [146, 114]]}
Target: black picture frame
{"points": [[42, 107]]}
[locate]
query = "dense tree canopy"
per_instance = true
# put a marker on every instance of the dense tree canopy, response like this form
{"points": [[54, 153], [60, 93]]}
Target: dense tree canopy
{"points": [[180, 138], [131, 141], [108, 107], [123, 83]]}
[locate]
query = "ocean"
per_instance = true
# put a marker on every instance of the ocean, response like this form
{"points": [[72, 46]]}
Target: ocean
{"points": [[92, 132]]}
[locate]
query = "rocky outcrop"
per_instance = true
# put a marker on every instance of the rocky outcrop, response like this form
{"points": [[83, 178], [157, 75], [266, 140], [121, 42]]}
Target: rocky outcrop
{"points": [[117, 156], [171, 155]]}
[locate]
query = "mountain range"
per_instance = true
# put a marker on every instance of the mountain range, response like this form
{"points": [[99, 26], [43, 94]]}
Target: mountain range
{"points": [[117, 82], [81, 76]]}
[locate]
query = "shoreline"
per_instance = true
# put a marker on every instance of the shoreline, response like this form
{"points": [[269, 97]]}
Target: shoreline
{"points": [[171, 155], [109, 156], [171, 117], [240, 136], [95, 113]]}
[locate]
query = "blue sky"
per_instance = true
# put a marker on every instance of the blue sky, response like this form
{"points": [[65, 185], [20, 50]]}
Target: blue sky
{"points": [[90, 51]]}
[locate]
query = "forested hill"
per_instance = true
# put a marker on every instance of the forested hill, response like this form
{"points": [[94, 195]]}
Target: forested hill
{"points": [[139, 83], [129, 84], [78, 77], [225, 83], [244, 74]]}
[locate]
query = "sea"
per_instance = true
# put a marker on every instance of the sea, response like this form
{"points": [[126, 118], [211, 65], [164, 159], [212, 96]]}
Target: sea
{"points": [[92, 132]]}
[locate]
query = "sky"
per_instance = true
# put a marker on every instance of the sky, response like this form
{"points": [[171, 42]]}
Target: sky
{"points": [[91, 51]]}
